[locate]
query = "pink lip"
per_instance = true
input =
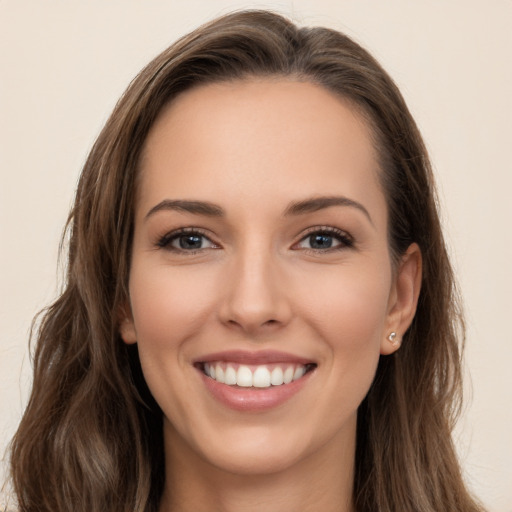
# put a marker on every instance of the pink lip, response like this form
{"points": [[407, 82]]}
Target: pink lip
{"points": [[253, 399], [261, 357]]}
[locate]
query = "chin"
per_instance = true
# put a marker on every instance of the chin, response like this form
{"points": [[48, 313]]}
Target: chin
{"points": [[266, 449], [258, 453]]}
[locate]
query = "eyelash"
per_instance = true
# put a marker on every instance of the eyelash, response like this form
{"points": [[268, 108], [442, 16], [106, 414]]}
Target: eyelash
{"points": [[165, 241], [344, 239]]}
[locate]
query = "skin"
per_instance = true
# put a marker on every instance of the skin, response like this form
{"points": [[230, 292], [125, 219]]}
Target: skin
{"points": [[256, 283]]}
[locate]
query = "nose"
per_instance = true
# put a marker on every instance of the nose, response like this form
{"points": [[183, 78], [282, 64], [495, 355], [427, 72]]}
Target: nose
{"points": [[255, 299]]}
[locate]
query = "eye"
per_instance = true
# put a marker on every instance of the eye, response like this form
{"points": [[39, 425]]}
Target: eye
{"points": [[325, 239], [186, 240]]}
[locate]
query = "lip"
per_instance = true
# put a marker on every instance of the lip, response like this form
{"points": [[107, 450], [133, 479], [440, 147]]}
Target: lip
{"points": [[253, 399], [260, 357]]}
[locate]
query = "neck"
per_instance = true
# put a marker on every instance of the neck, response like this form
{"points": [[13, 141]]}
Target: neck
{"points": [[321, 481]]}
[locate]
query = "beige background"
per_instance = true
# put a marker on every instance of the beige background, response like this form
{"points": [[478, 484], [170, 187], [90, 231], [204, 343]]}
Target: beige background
{"points": [[63, 64]]}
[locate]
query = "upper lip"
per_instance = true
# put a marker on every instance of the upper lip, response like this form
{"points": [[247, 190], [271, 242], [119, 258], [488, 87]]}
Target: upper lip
{"points": [[259, 357]]}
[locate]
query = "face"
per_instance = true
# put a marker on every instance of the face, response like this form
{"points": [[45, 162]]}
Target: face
{"points": [[261, 287]]}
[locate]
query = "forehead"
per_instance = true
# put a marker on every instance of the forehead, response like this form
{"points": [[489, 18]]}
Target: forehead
{"points": [[255, 137]]}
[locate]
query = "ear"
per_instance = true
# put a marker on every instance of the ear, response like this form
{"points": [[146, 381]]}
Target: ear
{"points": [[126, 325], [403, 299]]}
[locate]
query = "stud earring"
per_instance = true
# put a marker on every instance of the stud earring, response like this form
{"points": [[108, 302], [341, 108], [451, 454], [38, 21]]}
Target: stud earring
{"points": [[393, 339]]}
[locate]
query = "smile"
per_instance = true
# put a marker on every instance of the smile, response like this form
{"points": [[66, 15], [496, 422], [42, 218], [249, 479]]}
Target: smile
{"points": [[254, 381], [255, 376]]}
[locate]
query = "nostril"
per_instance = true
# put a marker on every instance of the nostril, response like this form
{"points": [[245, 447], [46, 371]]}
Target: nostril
{"points": [[266, 323]]}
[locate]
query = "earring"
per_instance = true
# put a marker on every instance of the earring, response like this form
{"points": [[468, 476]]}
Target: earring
{"points": [[393, 339]]}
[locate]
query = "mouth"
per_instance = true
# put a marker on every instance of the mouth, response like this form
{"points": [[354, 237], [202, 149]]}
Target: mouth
{"points": [[254, 381], [260, 376]]}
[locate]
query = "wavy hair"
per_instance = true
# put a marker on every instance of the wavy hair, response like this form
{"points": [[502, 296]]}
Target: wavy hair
{"points": [[91, 436]]}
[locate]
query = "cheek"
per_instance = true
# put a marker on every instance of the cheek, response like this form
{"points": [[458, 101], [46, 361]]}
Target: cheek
{"points": [[346, 311], [169, 307], [167, 304], [349, 306], [358, 312]]}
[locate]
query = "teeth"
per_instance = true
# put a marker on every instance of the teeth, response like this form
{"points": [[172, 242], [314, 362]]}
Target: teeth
{"points": [[230, 376], [288, 375], [276, 378], [260, 376], [219, 374], [299, 372], [244, 377]]}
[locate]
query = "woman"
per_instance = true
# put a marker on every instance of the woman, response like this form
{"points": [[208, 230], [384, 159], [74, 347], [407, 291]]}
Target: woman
{"points": [[259, 310]]}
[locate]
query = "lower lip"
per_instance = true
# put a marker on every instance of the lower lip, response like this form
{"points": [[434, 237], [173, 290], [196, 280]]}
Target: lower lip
{"points": [[254, 399]]}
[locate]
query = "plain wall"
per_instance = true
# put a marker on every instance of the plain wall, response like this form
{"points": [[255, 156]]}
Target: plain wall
{"points": [[63, 64]]}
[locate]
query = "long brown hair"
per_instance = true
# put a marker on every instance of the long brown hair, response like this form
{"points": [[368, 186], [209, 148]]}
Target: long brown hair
{"points": [[91, 435]]}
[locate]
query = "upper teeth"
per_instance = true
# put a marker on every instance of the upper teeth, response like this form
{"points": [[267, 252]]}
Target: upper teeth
{"points": [[258, 376]]}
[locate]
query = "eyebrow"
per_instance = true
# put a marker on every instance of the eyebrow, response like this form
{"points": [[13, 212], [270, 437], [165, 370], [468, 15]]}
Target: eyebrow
{"points": [[182, 205], [319, 203], [295, 208]]}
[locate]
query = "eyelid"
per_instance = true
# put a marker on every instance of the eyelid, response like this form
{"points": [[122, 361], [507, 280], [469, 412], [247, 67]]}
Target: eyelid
{"points": [[346, 240], [164, 242]]}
